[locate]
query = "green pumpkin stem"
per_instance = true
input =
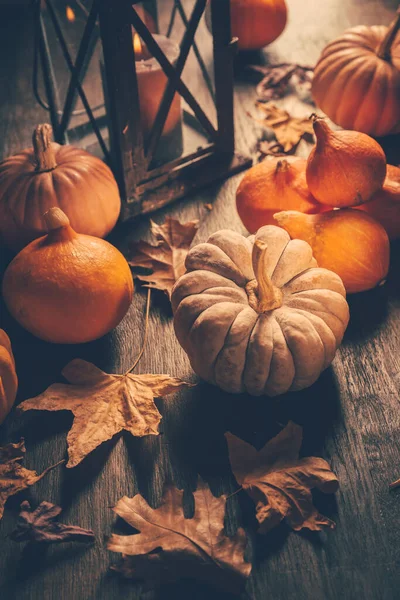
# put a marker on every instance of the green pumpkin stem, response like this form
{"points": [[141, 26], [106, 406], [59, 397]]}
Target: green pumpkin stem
{"points": [[43, 148]]}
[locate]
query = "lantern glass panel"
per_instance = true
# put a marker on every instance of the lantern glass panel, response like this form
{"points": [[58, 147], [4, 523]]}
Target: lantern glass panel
{"points": [[71, 17], [166, 18]]}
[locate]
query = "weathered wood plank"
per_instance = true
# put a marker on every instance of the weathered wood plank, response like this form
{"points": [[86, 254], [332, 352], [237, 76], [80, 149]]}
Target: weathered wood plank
{"points": [[350, 416]]}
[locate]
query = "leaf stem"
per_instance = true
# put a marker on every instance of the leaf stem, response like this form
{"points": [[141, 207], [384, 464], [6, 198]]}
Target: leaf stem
{"points": [[394, 485], [146, 329], [234, 493]]}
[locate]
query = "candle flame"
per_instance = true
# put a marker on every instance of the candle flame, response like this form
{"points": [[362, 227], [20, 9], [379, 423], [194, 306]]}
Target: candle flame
{"points": [[137, 44], [69, 14]]}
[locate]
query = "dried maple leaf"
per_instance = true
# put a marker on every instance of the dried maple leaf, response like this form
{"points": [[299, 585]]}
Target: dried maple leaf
{"points": [[279, 482], [39, 525], [166, 259], [14, 478], [104, 404], [288, 130], [170, 547]]}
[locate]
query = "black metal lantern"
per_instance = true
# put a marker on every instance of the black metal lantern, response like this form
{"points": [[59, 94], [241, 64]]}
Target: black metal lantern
{"points": [[161, 116]]}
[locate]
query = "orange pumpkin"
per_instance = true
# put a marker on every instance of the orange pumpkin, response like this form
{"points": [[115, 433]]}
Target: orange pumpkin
{"points": [[257, 23], [271, 186], [385, 203], [66, 287], [357, 79], [348, 242], [8, 376], [50, 175]]}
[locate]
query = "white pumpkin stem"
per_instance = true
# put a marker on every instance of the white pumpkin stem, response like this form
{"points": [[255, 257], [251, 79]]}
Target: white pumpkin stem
{"points": [[269, 296], [386, 44], [55, 218], [43, 148]]}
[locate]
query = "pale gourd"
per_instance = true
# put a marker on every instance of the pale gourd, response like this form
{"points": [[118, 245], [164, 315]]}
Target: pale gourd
{"points": [[256, 314]]}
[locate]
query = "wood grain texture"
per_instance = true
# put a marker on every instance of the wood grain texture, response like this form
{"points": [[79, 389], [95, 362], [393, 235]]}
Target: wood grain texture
{"points": [[350, 416]]}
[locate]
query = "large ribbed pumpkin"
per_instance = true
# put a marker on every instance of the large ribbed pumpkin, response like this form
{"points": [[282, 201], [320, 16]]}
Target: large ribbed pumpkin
{"points": [[256, 314], [49, 175], [357, 79]]}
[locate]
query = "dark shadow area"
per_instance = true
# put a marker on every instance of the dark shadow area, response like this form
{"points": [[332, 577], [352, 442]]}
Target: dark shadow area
{"points": [[368, 310], [270, 543], [147, 460], [316, 409], [77, 479], [391, 143], [36, 558]]}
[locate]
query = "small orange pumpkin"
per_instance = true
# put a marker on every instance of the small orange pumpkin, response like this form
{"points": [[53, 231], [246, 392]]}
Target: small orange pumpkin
{"points": [[50, 175], [357, 79], [384, 205], [8, 376], [271, 186], [68, 288], [257, 23]]}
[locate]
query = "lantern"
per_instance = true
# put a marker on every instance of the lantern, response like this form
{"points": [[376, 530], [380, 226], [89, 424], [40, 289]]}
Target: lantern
{"points": [[146, 86]]}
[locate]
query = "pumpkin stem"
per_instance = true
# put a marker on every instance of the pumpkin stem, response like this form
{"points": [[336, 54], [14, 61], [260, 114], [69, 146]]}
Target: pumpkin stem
{"points": [[321, 128], [269, 296], [58, 226], [282, 166], [386, 44], [43, 148], [55, 218]]}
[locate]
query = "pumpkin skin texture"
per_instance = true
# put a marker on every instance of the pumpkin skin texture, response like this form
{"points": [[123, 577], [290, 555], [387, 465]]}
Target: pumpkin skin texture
{"points": [[50, 175], [344, 168], [346, 241], [8, 376], [256, 314], [257, 23], [357, 80], [68, 288], [384, 206], [271, 186]]}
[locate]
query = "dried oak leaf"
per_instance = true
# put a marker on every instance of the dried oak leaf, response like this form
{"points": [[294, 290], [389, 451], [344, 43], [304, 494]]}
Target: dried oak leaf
{"points": [[104, 404], [39, 525], [288, 130], [280, 482], [170, 547], [166, 259], [14, 478]]}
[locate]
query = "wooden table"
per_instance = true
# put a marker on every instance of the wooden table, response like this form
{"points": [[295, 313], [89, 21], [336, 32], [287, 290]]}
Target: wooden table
{"points": [[350, 416]]}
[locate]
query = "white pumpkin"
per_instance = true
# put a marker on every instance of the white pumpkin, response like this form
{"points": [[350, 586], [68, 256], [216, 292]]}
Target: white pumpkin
{"points": [[256, 314]]}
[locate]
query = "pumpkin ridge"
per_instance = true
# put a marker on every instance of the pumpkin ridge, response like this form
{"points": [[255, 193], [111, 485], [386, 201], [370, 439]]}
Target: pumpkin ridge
{"points": [[321, 310], [247, 353], [375, 73], [307, 314], [247, 345], [290, 351], [353, 73]]}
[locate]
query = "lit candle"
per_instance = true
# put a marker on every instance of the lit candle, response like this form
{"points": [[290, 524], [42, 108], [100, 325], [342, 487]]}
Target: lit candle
{"points": [[152, 82]]}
